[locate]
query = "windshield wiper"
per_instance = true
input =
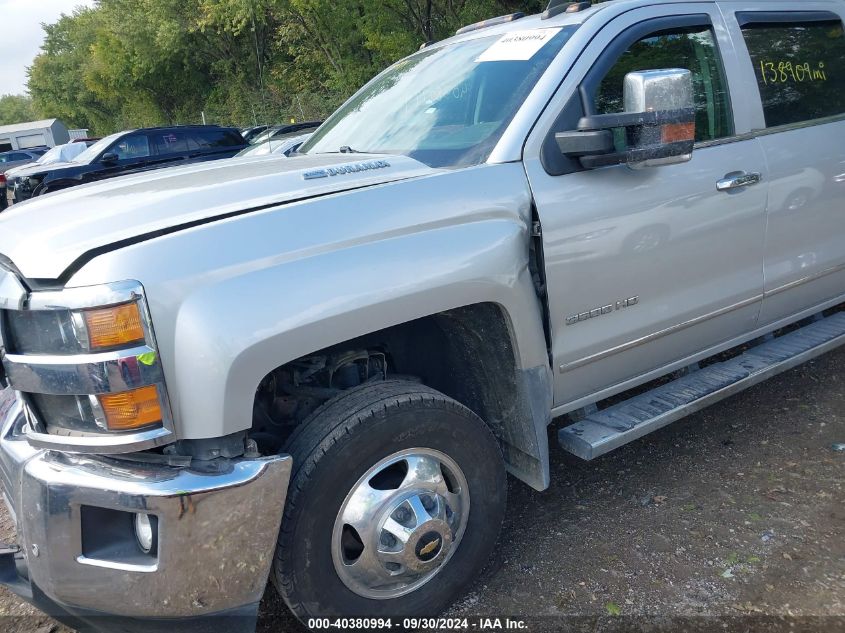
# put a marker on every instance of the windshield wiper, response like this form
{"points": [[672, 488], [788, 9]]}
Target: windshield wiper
{"points": [[346, 150]]}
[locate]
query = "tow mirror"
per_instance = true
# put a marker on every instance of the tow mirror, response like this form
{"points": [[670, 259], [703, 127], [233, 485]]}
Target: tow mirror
{"points": [[658, 123]]}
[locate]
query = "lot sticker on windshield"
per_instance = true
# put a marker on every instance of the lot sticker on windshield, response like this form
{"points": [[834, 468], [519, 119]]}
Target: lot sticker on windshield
{"points": [[518, 46]]}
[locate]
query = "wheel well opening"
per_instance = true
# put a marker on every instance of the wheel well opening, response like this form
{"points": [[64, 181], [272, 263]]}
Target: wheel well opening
{"points": [[466, 353]]}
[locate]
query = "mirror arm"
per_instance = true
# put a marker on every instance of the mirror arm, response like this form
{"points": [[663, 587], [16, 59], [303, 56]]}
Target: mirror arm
{"points": [[636, 119], [637, 155]]}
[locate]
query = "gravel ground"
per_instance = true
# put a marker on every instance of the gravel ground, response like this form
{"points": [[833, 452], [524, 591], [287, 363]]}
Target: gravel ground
{"points": [[732, 519]]}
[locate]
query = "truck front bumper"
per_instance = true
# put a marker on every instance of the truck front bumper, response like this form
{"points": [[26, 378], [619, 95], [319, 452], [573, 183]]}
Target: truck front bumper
{"points": [[78, 555]]}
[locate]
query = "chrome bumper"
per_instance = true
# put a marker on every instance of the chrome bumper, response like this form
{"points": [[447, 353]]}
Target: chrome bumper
{"points": [[216, 532]]}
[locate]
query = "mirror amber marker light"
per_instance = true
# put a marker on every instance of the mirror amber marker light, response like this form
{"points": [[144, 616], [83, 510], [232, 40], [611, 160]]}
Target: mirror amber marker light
{"points": [[678, 132], [131, 409], [117, 325]]}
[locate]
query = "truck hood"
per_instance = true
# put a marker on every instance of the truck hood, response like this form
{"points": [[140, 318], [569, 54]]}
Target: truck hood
{"points": [[43, 237]]}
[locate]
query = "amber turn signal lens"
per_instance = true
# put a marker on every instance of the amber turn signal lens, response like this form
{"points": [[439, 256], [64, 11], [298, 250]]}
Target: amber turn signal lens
{"points": [[131, 409], [118, 325], [678, 132]]}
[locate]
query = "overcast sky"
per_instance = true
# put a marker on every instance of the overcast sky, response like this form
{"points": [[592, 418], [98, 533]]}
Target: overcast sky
{"points": [[22, 36]]}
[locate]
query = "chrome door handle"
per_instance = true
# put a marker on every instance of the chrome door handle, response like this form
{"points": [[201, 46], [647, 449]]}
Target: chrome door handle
{"points": [[737, 180]]}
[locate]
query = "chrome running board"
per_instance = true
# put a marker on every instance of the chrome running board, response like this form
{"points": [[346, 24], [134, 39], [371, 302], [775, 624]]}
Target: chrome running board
{"points": [[602, 431]]}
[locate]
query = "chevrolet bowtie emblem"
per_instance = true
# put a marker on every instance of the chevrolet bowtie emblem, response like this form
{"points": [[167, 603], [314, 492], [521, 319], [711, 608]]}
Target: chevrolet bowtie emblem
{"points": [[428, 549]]}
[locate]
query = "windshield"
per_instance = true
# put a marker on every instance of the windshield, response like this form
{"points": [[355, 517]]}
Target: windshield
{"points": [[446, 107], [264, 136], [257, 150], [92, 152], [274, 145]]}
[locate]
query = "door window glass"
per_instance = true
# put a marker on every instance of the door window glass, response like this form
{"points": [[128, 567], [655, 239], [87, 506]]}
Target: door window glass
{"points": [[216, 138], [169, 143], [693, 49], [800, 69], [11, 158], [136, 146]]}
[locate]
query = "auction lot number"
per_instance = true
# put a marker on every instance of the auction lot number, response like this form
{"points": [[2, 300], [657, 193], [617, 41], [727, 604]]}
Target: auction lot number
{"points": [[430, 624]]}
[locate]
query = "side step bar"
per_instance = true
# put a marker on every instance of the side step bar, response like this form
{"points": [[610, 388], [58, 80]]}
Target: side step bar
{"points": [[602, 431]]}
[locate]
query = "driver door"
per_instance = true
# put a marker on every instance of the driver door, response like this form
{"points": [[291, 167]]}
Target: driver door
{"points": [[131, 152], [646, 267]]}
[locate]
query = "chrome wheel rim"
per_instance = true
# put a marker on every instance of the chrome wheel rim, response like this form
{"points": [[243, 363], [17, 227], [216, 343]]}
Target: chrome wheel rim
{"points": [[400, 523]]}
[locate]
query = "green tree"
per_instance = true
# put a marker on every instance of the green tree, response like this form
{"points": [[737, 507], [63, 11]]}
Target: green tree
{"points": [[16, 109], [127, 63], [58, 77]]}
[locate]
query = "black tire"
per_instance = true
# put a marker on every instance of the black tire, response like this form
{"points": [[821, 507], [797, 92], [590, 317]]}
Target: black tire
{"points": [[335, 447]]}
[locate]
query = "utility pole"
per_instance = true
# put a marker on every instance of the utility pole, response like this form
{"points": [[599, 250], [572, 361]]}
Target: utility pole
{"points": [[259, 61]]}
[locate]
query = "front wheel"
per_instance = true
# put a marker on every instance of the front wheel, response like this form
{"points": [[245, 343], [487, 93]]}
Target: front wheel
{"points": [[394, 485]]}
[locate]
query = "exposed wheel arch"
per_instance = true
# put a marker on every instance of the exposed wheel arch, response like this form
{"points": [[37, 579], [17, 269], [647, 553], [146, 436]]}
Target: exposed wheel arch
{"points": [[467, 354], [54, 185]]}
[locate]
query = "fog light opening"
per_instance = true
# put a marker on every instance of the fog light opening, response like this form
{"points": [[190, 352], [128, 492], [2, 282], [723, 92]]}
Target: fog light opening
{"points": [[146, 532]]}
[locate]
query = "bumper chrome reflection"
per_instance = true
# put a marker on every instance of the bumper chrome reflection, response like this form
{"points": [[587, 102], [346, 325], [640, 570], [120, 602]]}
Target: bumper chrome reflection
{"points": [[217, 532]]}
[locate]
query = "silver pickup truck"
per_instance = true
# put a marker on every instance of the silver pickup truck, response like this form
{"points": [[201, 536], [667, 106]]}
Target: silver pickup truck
{"points": [[318, 370]]}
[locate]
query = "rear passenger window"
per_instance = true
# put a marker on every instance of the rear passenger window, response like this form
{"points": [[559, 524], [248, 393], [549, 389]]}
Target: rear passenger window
{"points": [[169, 143], [800, 68], [693, 49], [217, 138]]}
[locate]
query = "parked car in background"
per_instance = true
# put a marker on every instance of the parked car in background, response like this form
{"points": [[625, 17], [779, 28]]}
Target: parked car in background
{"points": [[59, 154], [285, 146], [250, 133], [279, 131], [9, 160], [16, 157], [133, 151]]}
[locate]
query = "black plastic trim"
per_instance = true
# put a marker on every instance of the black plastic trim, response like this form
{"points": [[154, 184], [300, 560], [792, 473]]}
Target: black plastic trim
{"points": [[639, 154], [773, 17], [636, 119], [581, 143]]}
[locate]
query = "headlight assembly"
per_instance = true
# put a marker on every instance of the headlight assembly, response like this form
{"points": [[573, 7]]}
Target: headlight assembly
{"points": [[87, 365], [61, 331]]}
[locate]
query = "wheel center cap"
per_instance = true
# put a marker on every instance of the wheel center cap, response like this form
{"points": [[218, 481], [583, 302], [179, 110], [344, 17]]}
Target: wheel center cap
{"points": [[429, 546]]}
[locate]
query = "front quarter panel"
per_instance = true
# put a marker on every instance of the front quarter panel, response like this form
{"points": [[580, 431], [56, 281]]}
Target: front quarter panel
{"points": [[234, 299]]}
